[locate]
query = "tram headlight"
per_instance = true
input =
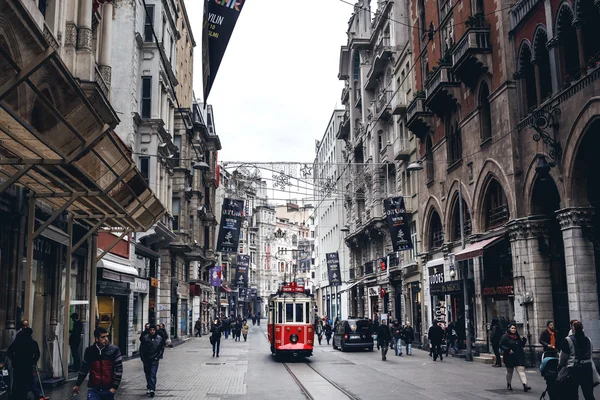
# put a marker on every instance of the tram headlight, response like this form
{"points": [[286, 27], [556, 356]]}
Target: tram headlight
{"points": [[294, 338]]}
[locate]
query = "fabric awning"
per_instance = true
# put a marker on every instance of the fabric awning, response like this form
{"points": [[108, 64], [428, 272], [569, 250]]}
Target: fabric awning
{"points": [[118, 267], [225, 288], [476, 249], [353, 284], [433, 263]]}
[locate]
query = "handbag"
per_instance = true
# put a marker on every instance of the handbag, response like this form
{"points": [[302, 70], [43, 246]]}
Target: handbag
{"points": [[212, 341], [564, 374]]}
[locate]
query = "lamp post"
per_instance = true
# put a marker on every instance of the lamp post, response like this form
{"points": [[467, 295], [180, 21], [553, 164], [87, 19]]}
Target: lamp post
{"points": [[345, 231]]}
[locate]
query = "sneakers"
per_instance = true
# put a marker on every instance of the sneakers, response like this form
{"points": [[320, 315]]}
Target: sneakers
{"points": [[151, 393]]}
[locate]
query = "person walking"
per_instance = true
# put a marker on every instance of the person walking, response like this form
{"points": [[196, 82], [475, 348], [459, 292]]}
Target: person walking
{"points": [[215, 337], [409, 336], [383, 338], [514, 357], [451, 337], [75, 340], [396, 332], [24, 354], [319, 330], [151, 351], [104, 363], [328, 331], [496, 335], [258, 318], [198, 328], [245, 329], [576, 355], [226, 327], [145, 331], [238, 329], [548, 337], [436, 335]]}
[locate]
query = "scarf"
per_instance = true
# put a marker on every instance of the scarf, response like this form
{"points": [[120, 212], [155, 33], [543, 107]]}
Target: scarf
{"points": [[512, 336], [552, 338]]}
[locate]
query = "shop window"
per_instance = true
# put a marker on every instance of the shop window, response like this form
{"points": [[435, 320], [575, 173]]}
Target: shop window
{"points": [[436, 231], [496, 206], [485, 113]]}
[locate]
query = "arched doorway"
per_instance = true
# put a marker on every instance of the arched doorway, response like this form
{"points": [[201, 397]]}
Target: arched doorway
{"points": [[545, 201]]}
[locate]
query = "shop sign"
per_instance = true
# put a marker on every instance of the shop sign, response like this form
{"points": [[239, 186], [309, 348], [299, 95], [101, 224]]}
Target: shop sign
{"points": [[436, 275], [140, 285], [111, 288], [115, 276], [499, 291], [373, 291], [446, 288], [154, 282]]}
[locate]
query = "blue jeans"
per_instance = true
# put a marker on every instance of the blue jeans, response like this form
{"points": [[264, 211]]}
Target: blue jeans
{"points": [[398, 346], [227, 333], [97, 394], [150, 369], [409, 349]]}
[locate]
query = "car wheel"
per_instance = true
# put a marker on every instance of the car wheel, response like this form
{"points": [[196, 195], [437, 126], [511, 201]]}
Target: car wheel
{"points": [[342, 346], [334, 346], [371, 348]]}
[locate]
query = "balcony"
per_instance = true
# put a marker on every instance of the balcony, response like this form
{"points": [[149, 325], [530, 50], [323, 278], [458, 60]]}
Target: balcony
{"points": [[383, 105], [382, 55], [368, 268], [442, 91], [344, 130], [419, 120], [437, 239], [401, 149], [399, 103], [386, 154], [345, 94], [472, 56], [352, 274]]}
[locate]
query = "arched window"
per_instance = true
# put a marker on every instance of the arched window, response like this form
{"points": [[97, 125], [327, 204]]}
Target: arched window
{"points": [[567, 40], [527, 75], [436, 230], [496, 206], [422, 17], [485, 112], [453, 141], [589, 15], [456, 219], [542, 59], [429, 158]]}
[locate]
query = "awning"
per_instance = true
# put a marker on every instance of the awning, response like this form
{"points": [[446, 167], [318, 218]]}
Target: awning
{"points": [[118, 267], [350, 286], [226, 289], [434, 263], [55, 143], [476, 249]]}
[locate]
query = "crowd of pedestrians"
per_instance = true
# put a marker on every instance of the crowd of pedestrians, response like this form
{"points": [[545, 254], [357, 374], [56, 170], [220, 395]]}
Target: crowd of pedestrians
{"points": [[237, 327]]}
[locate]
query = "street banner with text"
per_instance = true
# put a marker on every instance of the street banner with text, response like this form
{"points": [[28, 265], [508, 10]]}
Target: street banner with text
{"points": [[220, 17], [229, 227], [397, 223], [241, 272], [333, 269]]}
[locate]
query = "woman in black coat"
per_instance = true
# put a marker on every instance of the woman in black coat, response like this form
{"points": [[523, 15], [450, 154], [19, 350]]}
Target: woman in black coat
{"points": [[514, 357], [328, 331], [215, 337]]}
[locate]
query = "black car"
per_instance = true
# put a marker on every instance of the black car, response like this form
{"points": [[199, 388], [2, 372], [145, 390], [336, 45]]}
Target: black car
{"points": [[353, 334]]}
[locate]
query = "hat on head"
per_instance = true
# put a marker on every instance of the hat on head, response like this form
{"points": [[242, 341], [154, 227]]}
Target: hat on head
{"points": [[152, 326]]}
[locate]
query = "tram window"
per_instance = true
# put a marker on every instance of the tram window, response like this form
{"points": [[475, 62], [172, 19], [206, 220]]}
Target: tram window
{"points": [[289, 313], [300, 312], [279, 312]]}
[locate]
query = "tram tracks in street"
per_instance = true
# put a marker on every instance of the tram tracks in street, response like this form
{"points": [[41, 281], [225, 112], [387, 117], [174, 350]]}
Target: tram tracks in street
{"points": [[313, 384]]}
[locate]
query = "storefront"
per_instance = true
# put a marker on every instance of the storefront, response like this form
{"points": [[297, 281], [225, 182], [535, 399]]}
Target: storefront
{"points": [[140, 288], [373, 296]]}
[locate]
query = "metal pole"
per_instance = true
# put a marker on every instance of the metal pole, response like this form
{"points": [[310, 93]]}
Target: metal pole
{"points": [[93, 281], [28, 306], [66, 315], [464, 275]]}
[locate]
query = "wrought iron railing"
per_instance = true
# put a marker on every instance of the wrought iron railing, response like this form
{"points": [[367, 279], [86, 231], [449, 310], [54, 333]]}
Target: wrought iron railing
{"points": [[437, 239], [497, 215]]}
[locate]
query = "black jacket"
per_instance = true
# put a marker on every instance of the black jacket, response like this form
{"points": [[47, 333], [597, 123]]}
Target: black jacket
{"points": [[545, 340], [327, 329], [383, 335], [517, 358], [163, 334], [75, 336], [396, 331], [105, 367], [24, 352], [152, 348], [215, 331], [435, 334], [409, 334]]}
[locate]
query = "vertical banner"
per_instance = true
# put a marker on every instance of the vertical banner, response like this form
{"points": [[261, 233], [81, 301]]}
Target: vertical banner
{"points": [[333, 269], [397, 224], [229, 228], [220, 17], [215, 276], [241, 272]]}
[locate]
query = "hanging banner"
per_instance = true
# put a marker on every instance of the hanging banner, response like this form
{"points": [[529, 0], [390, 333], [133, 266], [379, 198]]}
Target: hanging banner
{"points": [[215, 276], [333, 269], [220, 17], [229, 228], [398, 226], [241, 272]]}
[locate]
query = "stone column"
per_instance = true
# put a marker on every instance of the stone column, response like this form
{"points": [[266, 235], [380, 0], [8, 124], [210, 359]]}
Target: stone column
{"points": [[581, 269], [531, 274], [538, 87], [104, 60], [552, 46], [578, 24], [84, 65], [164, 296]]}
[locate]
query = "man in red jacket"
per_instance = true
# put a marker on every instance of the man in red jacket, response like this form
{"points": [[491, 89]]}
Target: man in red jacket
{"points": [[104, 363]]}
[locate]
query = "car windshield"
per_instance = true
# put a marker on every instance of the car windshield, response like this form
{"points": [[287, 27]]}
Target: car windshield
{"points": [[359, 325]]}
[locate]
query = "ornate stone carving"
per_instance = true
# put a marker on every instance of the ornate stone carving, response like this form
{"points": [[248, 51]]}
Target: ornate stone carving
{"points": [[70, 34], [552, 43], [575, 217], [106, 73], [84, 38], [526, 228], [50, 38]]}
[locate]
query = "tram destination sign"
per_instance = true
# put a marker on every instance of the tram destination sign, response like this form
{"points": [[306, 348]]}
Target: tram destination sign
{"points": [[219, 19], [229, 226], [395, 211]]}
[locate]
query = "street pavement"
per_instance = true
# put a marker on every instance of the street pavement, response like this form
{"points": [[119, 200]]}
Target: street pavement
{"points": [[246, 370]]}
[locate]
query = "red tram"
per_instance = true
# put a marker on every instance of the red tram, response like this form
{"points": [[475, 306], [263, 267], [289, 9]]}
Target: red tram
{"points": [[290, 323]]}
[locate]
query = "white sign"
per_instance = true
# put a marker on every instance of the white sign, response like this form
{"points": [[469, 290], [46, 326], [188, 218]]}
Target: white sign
{"points": [[373, 291], [140, 285]]}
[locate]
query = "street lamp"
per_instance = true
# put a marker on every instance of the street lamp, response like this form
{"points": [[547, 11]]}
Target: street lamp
{"points": [[200, 166], [415, 166]]}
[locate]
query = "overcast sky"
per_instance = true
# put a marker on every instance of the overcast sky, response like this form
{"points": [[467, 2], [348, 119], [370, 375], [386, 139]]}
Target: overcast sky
{"points": [[277, 85]]}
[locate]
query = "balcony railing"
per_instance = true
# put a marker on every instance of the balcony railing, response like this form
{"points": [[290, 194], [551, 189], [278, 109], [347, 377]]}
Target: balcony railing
{"points": [[520, 11], [401, 149], [383, 101], [497, 215], [437, 239], [352, 273], [474, 39]]}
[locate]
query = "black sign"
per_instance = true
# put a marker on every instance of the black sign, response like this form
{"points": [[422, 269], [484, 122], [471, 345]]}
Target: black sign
{"points": [[253, 293], [112, 288], [436, 275], [229, 228], [396, 219], [220, 17], [333, 269], [449, 287], [241, 272]]}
